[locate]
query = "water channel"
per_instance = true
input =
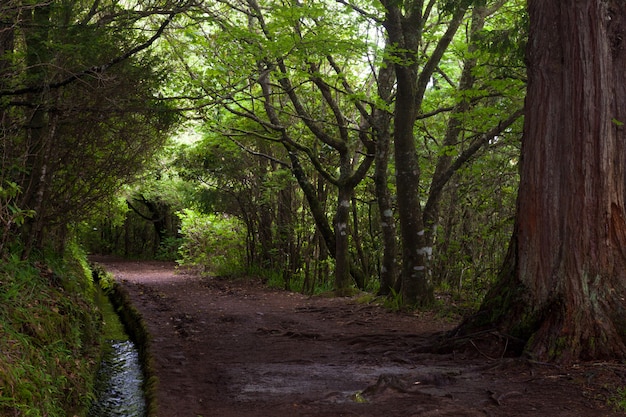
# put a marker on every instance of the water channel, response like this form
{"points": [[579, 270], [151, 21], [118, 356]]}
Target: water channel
{"points": [[119, 382]]}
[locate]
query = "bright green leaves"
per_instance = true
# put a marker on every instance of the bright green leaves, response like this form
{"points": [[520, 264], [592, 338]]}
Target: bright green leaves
{"points": [[10, 213], [213, 243]]}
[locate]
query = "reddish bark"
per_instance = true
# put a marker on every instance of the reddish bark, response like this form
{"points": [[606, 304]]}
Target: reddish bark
{"points": [[563, 285]]}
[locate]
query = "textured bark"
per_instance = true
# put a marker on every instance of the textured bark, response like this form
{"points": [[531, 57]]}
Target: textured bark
{"points": [[405, 33], [562, 288], [40, 128], [381, 125], [404, 24], [342, 244], [7, 45], [287, 251], [265, 220]]}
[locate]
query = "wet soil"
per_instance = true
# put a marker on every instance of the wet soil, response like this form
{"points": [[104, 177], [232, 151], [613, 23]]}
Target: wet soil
{"points": [[233, 348]]}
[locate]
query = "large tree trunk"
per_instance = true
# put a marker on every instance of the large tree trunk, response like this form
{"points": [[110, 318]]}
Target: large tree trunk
{"points": [[563, 284]]}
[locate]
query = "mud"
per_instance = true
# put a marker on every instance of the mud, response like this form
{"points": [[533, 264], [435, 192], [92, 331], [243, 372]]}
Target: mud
{"points": [[234, 348]]}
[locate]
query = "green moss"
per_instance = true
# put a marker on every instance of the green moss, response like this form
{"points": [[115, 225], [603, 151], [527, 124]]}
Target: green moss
{"points": [[558, 347], [49, 336], [113, 329], [346, 292], [618, 399], [366, 298]]}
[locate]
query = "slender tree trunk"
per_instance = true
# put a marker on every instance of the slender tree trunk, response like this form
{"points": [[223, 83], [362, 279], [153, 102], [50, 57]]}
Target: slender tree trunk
{"points": [[265, 235], [416, 286], [7, 45], [453, 130], [321, 221], [404, 24], [564, 280], [40, 130], [342, 244], [382, 123], [286, 244], [318, 211], [322, 272], [363, 260]]}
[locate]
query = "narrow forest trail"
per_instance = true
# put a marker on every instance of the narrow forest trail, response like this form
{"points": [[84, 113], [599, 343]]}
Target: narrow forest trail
{"points": [[234, 349]]}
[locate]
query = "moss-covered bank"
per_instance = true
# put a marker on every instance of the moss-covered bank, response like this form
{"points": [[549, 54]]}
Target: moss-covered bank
{"points": [[50, 335]]}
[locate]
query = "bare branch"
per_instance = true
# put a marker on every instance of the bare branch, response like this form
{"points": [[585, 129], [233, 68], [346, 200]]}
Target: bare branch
{"points": [[260, 154]]}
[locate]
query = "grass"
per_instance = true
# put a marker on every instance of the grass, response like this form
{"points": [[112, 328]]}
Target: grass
{"points": [[49, 336], [618, 400]]}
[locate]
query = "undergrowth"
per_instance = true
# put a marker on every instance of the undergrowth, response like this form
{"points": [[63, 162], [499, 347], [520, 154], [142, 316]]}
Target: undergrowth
{"points": [[49, 335], [618, 399]]}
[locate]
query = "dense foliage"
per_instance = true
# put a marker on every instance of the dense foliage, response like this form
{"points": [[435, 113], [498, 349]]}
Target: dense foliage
{"points": [[296, 131], [297, 127], [303, 134], [79, 114]]}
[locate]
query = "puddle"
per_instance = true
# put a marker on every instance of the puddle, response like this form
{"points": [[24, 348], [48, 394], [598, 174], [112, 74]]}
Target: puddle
{"points": [[315, 381], [337, 383]]}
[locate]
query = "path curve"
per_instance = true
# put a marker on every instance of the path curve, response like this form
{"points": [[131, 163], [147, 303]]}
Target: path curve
{"points": [[234, 349]]}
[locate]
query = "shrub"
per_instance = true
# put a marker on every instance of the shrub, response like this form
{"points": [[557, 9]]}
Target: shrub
{"points": [[212, 243]]}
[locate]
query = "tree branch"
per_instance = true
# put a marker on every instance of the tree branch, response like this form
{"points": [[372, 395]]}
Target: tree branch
{"points": [[95, 70], [436, 187], [260, 154]]}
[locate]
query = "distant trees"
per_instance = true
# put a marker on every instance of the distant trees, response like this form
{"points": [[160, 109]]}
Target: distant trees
{"points": [[327, 91], [79, 113], [336, 132]]}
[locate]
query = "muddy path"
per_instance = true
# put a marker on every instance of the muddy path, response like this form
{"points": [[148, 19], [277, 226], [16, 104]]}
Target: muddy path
{"points": [[234, 348]]}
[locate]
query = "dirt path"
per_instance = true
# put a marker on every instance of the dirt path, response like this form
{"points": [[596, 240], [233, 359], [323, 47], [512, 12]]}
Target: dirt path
{"points": [[234, 349]]}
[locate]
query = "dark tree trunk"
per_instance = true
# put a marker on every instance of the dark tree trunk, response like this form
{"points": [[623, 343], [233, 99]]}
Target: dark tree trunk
{"points": [[342, 244], [7, 45], [318, 211], [286, 254], [336, 240], [416, 286], [265, 221], [382, 123], [362, 259], [404, 24], [158, 212], [40, 128], [564, 280]]}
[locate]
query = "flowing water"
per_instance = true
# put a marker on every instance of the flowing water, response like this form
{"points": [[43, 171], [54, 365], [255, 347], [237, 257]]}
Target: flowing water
{"points": [[119, 382]]}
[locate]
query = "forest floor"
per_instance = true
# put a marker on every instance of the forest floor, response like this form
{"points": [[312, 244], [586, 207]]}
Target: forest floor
{"points": [[234, 348]]}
